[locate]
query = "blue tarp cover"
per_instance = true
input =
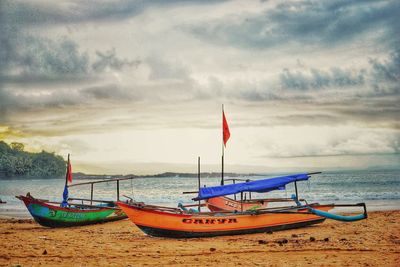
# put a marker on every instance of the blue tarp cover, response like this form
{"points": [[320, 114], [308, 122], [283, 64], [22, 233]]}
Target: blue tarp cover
{"points": [[64, 203], [259, 186]]}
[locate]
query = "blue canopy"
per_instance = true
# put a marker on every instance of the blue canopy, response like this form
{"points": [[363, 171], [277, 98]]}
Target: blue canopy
{"points": [[259, 186]]}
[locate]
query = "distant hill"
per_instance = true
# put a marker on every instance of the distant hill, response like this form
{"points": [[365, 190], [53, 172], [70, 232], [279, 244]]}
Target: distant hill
{"points": [[17, 163]]}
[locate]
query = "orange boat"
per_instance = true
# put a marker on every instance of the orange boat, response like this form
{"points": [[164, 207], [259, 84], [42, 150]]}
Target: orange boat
{"points": [[175, 223], [179, 223]]}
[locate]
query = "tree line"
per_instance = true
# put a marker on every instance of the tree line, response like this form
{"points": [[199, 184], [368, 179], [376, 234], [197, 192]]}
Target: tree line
{"points": [[15, 162]]}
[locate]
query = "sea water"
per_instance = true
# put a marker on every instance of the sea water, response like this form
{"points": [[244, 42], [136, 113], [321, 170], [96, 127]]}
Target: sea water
{"points": [[379, 189]]}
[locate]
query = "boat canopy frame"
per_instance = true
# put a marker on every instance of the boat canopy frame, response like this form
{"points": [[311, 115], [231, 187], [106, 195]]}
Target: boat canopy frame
{"points": [[259, 186], [117, 180]]}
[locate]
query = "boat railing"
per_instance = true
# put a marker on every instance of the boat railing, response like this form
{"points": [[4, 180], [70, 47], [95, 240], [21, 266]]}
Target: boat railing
{"points": [[270, 200], [92, 183], [238, 179], [212, 213], [92, 206], [155, 207], [92, 200], [194, 205], [69, 204]]}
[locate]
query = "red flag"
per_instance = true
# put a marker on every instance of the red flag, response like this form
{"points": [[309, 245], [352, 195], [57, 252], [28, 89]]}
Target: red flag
{"points": [[225, 129], [69, 171]]}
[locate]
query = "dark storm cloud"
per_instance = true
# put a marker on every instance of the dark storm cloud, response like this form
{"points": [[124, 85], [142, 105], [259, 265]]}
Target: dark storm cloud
{"points": [[317, 79], [27, 58], [377, 112], [14, 100], [322, 23], [42, 60], [388, 71], [311, 23], [28, 13], [382, 76], [16, 15], [109, 60], [110, 91], [31, 13], [44, 57], [8, 39]]}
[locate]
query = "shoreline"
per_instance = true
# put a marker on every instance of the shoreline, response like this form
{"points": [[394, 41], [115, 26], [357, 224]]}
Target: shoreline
{"points": [[371, 242]]}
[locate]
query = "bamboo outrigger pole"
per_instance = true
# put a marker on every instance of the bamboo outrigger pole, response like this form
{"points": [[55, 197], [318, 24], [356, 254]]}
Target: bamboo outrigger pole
{"points": [[103, 181]]}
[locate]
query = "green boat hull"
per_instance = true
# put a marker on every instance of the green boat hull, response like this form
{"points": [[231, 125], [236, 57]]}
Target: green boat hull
{"points": [[55, 216]]}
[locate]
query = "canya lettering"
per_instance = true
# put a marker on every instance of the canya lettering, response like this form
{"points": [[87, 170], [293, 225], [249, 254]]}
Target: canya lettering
{"points": [[231, 204], [209, 221]]}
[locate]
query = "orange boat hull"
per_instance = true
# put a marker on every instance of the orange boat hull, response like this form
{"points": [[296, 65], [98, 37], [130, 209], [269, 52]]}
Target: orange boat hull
{"points": [[228, 204], [171, 224]]}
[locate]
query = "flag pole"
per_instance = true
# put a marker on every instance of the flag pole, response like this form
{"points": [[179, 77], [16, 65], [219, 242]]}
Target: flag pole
{"points": [[64, 203], [222, 171], [66, 174]]}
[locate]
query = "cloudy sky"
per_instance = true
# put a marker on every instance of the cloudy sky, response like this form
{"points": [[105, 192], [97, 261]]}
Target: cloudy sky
{"points": [[137, 86]]}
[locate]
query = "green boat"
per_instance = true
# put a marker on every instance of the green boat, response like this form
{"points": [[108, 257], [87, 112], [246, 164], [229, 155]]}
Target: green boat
{"points": [[74, 211], [51, 214]]}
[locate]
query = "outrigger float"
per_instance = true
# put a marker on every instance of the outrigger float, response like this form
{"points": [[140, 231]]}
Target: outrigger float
{"points": [[177, 223]]}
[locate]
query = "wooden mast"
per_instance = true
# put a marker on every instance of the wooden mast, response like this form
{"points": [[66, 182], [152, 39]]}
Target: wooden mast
{"points": [[222, 171], [66, 174], [198, 178]]}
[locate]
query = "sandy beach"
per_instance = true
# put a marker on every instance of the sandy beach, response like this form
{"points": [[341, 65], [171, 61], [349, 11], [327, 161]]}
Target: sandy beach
{"points": [[371, 242]]}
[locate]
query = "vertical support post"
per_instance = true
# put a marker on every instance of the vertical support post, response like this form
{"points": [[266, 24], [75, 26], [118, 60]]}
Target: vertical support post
{"points": [[222, 172], [248, 180], [117, 190], [198, 178], [91, 194], [234, 182], [241, 201], [295, 187]]}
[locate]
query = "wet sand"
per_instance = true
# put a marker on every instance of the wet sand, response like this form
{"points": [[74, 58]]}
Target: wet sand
{"points": [[371, 242]]}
